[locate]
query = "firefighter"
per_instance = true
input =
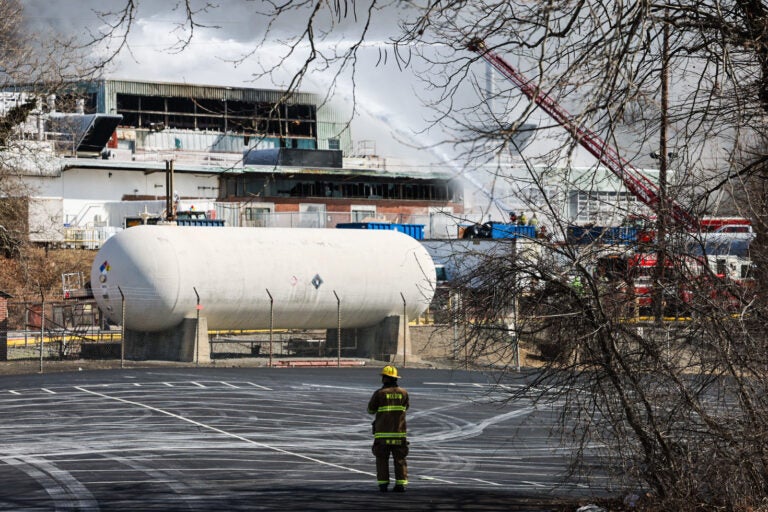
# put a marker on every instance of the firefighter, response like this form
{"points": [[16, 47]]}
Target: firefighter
{"points": [[389, 404]]}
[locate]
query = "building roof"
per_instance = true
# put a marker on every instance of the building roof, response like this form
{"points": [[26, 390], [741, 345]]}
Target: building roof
{"points": [[221, 92], [372, 173]]}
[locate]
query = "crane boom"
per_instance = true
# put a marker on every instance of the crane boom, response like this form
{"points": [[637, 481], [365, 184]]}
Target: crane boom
{"points": [[638, 184]]}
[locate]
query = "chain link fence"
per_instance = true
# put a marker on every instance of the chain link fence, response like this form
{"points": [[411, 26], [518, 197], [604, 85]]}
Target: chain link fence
{"points": [[71, 330]]}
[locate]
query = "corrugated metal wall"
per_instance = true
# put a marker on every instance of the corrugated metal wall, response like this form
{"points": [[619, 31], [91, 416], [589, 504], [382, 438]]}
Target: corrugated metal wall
{"points": [[331, 124]]}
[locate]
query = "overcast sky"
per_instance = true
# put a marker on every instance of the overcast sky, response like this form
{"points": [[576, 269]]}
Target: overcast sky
{"points": [[390, 110]]}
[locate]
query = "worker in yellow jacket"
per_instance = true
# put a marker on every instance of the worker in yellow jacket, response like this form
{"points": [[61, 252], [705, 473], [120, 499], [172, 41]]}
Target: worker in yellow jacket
{"points": [[389, 404]]}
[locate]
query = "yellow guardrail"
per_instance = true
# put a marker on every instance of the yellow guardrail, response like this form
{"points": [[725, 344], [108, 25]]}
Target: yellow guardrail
{"points": [[33, 341]]}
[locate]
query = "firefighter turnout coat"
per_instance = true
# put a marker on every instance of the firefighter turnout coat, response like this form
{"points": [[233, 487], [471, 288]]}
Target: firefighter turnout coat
{"points": [[389, 404]]}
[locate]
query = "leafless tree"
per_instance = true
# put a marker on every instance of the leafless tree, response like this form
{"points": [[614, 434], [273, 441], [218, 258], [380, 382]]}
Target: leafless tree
{"points": [[32, 70], [679, 406]]}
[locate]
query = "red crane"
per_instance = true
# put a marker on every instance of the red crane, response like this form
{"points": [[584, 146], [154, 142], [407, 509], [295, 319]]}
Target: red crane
{"points": [[637, 183]]}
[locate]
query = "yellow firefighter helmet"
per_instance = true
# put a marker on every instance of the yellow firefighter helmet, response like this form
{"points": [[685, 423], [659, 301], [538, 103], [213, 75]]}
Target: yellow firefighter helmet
{"points": [[389, 371]]}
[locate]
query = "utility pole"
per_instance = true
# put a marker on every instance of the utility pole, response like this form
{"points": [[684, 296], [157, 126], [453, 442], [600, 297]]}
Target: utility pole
{"points": [[170, 206]]}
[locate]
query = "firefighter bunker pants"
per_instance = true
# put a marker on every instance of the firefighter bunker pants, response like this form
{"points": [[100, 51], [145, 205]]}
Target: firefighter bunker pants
{"points": [[398, 448]]}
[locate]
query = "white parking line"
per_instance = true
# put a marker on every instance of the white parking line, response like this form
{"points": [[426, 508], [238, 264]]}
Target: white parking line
{"points": [[486, 482], [224, 432]]}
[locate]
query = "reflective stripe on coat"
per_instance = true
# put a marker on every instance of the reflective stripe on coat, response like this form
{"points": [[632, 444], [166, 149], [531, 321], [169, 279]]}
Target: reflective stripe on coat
{"points": [[389, 405]]}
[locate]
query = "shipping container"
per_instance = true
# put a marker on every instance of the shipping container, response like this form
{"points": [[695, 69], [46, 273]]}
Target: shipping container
{"points": [[601, 234], [413, 230], [503, 230]]}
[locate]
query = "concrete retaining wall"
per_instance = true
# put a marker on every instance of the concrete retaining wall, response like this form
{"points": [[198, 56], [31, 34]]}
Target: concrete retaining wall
{"points": [[432, 341]]}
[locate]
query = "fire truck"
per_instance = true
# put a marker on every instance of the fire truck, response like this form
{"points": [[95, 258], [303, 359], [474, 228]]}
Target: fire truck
{"points": [[728, 227], [714, 236], [688, 279]]}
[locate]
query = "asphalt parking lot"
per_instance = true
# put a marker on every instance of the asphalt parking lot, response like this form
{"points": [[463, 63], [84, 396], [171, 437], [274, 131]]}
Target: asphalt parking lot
{"points": [[268, 439]]}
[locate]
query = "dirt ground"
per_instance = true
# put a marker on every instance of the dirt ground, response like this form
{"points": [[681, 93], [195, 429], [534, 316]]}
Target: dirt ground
{"points": [[25, 367], [29, 366]]}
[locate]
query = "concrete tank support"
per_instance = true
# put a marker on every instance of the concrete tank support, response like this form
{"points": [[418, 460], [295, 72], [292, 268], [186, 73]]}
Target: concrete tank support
{"points": [[386, 341], [178, 343]]}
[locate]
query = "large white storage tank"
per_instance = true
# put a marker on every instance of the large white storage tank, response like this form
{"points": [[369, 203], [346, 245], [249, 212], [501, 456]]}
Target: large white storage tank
{"points": [[159, 269]]}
